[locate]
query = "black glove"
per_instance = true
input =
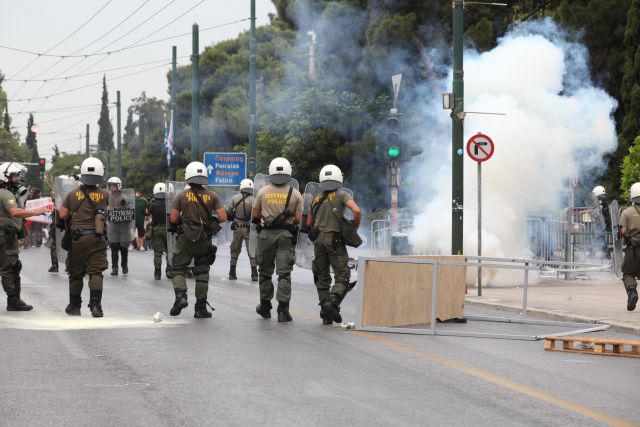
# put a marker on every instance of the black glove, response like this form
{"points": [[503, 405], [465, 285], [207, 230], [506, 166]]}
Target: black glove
{"points": [[618, 235], [172, 228]]}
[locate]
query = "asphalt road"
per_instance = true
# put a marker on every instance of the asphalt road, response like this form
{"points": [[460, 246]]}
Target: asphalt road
{"points": [[238, 369]]}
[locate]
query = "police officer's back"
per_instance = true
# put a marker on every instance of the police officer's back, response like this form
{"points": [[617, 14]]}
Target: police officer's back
{"points": [[84, 209], [277, 208]]}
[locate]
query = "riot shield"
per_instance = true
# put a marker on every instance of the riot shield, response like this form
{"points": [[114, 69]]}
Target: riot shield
{"points": [[63, 185], [225, 236], [121, 215], [259, 181], [618, 254], [304, 247], [173, 188]]}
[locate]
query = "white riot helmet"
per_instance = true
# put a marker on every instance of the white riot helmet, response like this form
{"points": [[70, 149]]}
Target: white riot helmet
{"points": [[330, 178], [196, 173], [246, 186], [114, 180], [159, 190], [279, 171], [598, 191], [11, 169], [634, 193], [91, 171]]}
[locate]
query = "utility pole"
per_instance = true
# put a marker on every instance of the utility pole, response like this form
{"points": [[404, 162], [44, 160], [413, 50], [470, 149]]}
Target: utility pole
{"points": [[87, 141], [195, 95], [457, 133], [312, 54], [119, 138], [174, 70], [252, 93]]}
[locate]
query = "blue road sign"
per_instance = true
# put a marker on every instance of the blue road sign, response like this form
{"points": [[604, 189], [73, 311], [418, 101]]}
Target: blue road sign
{"points": [[226, 169]]}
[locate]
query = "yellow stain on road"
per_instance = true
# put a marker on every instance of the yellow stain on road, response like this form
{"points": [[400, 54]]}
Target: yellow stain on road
{"points": [[501, 381]]}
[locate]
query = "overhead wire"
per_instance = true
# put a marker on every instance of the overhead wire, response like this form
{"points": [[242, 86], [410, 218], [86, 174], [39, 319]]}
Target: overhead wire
{"points": [[131, 47], [90, 85], [65, 39], [97, 72]]}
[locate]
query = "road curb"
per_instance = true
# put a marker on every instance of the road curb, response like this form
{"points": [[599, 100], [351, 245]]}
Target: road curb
{"points": [[566, 317]]}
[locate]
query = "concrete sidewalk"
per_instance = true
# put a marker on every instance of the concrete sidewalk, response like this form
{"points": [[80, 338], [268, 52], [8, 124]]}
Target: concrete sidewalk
{"points": [[596, 299]]}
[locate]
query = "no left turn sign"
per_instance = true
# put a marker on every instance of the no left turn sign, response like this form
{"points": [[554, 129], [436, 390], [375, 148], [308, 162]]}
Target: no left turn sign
{"points": [[480, 147]]}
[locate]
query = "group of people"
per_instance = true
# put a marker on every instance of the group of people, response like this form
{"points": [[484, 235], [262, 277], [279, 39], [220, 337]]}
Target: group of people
{"points": [[194, 217]]}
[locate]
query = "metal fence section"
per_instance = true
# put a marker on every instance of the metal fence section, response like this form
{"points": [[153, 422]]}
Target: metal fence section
{"points": [[381, 234], [471, 262]]}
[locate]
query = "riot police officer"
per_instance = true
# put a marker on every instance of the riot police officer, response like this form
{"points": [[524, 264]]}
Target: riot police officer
{"points": [[118, 244], [84, 209], [192, 211], [276, 210], [630, 231], [158, 213], [330, 250], [239, 211], [12, 229]]}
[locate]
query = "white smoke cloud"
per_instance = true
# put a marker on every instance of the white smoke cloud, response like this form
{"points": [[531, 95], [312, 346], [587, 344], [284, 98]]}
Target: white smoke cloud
{"points": [[558, 125]]}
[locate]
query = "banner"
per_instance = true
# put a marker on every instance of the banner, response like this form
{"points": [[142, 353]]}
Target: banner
{"points": [[38, 203]]}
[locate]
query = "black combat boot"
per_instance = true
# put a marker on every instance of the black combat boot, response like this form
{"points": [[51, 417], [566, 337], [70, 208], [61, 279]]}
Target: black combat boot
{"points": [[114, 259], [326, 320], [54, 268], [632, 299], [125, 261], [157, 274], [331, 307], [232, 273], [75, 302], [254, 274], [201, 309], [283, 312], [264, 309], [14, 303], [95, 300], [180, 302]]}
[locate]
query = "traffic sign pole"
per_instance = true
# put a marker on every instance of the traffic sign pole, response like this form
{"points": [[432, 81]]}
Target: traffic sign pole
{"points": [[480, 148]]}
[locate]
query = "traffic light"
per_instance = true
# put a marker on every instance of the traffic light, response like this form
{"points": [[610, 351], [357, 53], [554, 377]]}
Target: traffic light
{"points": [[393, 143], [42, 163]]}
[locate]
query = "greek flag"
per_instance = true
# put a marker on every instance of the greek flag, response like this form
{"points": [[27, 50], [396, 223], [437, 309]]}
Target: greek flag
{"points": [[168, 139]]}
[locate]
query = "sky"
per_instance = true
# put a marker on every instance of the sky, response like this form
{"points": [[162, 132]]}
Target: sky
{"points": [[80, 27]]}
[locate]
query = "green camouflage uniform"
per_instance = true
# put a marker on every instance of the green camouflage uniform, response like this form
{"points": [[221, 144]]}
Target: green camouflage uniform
{"points": [[10, 226], [193, 243], [276, 250], [329, 249], [88, 254], [157, 210], [240, 207], [630, 219]]}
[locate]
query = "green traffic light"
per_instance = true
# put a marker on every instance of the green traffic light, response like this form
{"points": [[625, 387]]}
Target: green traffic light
{"points": [[393, 152]]}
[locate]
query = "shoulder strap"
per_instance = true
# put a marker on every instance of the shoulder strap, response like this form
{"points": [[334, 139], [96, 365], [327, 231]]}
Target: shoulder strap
{"points": [[206, 209], [286, 203], [316, 207], [244, 197]]}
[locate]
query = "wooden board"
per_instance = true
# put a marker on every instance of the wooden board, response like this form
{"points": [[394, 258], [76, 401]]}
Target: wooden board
{"points": [[399, 294], [594, 345]]}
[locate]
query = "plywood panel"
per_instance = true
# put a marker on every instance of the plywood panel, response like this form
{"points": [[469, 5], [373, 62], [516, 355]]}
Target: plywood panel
{"points": [[399, 294]]}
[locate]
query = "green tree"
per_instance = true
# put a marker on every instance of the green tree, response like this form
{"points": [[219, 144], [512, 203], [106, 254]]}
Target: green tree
{"points": [[31, 140], [105, 128], [130, 138], [630, 168]]}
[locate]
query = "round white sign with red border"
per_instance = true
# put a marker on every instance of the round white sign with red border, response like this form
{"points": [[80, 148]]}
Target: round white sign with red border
{"points": [[480, 147]]}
